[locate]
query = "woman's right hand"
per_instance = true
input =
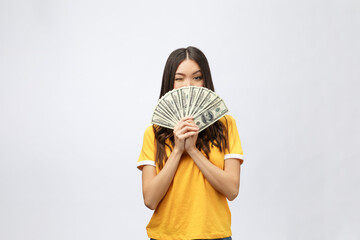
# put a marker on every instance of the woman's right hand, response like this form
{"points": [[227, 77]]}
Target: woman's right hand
{"points": [[184, 129]]}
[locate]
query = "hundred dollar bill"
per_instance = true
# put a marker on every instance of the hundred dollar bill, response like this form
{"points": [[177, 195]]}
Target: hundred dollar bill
{"points": [[179, 98], [184, 93], [193, 93], [208, 100], [198, 98], [170, 105], [160, 107], [161, 122], [203, 104], [160, 114], [211, 115], [176, 102]]}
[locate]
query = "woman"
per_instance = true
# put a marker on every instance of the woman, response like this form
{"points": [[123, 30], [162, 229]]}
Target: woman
{"points": [[187, 176]]}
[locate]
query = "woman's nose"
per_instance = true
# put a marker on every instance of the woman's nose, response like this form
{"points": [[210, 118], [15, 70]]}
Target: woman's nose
{"points": [[187, 83]]}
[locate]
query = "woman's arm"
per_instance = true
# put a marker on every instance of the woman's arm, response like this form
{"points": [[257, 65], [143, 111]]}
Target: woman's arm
{"points": [[155, 185], [225, 181]]}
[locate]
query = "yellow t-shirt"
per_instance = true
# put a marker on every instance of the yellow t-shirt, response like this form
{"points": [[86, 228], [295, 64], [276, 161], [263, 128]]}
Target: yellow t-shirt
{"points": [[191, 208]]}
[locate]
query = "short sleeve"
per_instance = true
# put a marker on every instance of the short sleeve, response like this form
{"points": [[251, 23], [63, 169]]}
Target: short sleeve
{"points": [[148, 151], [235, 149]]}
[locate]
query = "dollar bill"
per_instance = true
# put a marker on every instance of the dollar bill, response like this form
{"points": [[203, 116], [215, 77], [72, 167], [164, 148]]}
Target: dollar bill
{"points": [[170, 105], [209, 99], [161, 106], [161, 122], [198, 98], [158, 112], [203, 104], [176, 101], [193, 93], [184, 93], [211, 115]]}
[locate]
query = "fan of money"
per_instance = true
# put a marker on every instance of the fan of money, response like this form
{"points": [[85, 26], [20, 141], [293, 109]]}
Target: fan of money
{"points": [[205, 106]]}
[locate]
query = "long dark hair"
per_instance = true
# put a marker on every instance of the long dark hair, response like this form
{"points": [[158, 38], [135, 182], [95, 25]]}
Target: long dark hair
{"points": [[216, 134]]}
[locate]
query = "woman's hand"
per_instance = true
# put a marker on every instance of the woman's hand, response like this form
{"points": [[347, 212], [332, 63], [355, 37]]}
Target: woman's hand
{"points": [[190, 142], [185, 129]]}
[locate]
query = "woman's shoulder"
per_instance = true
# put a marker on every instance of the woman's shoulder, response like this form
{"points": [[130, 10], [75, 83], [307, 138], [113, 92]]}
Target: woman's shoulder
{"points": [[227, 119], [149, 131]]}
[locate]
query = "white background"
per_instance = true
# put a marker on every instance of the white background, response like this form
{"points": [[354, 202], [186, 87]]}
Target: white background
{"points": [[79, 81]]}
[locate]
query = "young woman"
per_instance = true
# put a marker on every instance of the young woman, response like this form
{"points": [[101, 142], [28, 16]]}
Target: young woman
{"points": [[188, 176]]}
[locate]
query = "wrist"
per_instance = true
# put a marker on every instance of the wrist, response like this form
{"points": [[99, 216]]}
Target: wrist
{"points": [[192, 150], [177, 151]]}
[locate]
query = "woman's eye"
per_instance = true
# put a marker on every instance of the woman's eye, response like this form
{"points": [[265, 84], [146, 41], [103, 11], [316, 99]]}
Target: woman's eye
{"points": [[198, 78], [178, 79]]}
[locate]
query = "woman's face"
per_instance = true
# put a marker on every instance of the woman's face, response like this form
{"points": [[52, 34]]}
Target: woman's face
{"points": [[188, 73]]}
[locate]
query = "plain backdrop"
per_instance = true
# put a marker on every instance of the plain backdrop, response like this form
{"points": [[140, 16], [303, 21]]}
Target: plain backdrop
{"points": [[79, 81]]}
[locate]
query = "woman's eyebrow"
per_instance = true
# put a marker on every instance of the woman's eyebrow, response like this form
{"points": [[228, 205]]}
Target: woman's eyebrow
{"points": [[184, 74]]}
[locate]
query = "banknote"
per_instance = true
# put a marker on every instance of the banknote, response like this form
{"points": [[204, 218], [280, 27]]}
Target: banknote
{"points": [[201, 103], [210, 115], [198, 98], [161, 122]]}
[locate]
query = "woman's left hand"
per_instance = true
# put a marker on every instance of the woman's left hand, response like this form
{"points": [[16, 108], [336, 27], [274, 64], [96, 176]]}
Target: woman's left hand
{"points": [[190, 142]]}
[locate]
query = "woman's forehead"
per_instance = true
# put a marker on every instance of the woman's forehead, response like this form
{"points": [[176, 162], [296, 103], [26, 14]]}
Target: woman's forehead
{"points": [[188, 66]]}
